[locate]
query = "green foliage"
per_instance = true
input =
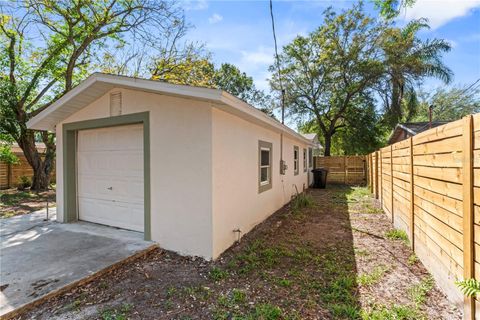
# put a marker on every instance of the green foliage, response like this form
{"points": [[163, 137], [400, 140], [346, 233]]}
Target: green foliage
{"points": [[7, 156], [390, 9], [412, 259], [397, 234], [217, 274], [24, 182], [117, 314], [325, 72], [469, 287], [301, 201], [409, 60], [448, 104], [418, 293], [373, 277], [267, 311], [394, 312]]}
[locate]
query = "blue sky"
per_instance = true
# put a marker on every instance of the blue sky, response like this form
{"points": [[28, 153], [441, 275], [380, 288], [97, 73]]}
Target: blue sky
{"points": [[239, 32]]}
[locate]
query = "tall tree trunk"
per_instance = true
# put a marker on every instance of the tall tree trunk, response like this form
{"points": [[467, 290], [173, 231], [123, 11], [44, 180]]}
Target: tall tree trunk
{"points": [[328, 144], [42, 168]]}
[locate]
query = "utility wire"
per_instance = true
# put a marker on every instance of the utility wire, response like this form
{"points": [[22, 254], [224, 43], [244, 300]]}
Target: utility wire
{"points": [[277, 63]]}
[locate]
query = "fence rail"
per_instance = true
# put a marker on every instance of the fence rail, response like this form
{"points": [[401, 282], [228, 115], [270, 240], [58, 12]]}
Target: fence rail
{"points": [[10, 173], [350, 170], [429, 185]]}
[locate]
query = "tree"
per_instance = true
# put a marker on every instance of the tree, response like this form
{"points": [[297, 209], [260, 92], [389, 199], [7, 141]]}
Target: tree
{"points": [[46, 48], [408, 61], [196, 69], [229, 78], [324, 72], [390, 9], [448, 104], [361, 133]]}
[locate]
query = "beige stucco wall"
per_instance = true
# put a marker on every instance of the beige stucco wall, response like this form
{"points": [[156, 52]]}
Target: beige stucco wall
{"points": [[180, 166], [237, 204]]}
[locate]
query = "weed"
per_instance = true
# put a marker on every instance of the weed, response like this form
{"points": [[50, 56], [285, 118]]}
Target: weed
{"points": [[396, 234], [395, 312], [412, 259], [217, 274], [369, 279], [116, 314], [238, 296], [267, 312], [284, 282], [302, 200], [418, 293], [344, 310]]}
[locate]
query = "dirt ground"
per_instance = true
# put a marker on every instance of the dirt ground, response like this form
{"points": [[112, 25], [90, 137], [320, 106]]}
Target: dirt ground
{"points": [[337, 259], [14, 202]]}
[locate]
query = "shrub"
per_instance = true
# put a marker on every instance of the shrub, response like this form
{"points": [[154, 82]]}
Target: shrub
{"points": [[24, 182]]}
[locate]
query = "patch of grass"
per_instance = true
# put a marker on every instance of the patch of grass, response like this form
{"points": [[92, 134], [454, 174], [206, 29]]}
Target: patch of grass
{"points": [[284, 283], [412, 259], [217, 274], [361, 252], [357, 193], [373, 277], [267, 311], [116, 314], [394, 312], [13, 199], [418, 293], [397, 234]]}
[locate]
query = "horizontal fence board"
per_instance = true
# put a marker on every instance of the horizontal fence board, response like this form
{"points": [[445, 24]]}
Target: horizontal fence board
{"points": [[445, 174], [450, 204], [442, 146], [452, 160]]}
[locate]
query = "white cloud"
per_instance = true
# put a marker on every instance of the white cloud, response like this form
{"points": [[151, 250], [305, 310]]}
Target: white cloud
{"points": [[215, 18], [194, 4], [262, 56], [440, 12]]}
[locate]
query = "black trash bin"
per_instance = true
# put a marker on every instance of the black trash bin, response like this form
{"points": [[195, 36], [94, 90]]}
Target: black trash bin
{"points": [[320, 178]]}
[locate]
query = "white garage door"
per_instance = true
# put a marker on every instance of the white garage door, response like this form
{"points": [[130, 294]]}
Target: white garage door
{"points": [[110, 176]]}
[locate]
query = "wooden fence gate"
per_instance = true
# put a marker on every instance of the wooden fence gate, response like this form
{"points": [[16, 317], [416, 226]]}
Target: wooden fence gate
{"points": [[349, 170]]}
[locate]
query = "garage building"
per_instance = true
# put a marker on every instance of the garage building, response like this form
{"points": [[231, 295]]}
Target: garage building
{"points": [[192, 168]]}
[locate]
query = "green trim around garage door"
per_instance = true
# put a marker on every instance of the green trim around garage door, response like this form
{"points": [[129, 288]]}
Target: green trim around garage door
{"points": [[70, 162]]}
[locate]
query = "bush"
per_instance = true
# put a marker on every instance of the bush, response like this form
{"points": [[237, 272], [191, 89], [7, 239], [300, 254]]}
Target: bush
{"points": [[6, 155], [24, 182]]}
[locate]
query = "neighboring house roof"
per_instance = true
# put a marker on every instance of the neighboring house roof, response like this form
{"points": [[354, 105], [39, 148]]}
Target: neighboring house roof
{"points": [[412, 128], [313, 137], [98, 84]]}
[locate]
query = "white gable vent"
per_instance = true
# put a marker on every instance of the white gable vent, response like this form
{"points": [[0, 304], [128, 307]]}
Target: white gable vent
{"points": [[115, 104]]}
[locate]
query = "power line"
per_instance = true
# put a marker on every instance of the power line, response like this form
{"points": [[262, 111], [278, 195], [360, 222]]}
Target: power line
{"points": [[277, 62]]}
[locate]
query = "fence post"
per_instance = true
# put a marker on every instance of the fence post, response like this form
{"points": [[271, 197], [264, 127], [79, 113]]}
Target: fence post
{"points": [[391, 180], [376, 175], [370, 172], [345, 169], [412, 196], [468, 218], [381, 180]]}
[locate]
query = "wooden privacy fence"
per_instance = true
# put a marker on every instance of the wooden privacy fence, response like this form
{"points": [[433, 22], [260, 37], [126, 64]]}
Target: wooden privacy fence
{"points": [[10, 173], [429, 185], [350, 170]]}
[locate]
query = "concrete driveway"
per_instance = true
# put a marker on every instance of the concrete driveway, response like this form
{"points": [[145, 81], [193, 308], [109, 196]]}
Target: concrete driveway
{"points": [[38, 257]]}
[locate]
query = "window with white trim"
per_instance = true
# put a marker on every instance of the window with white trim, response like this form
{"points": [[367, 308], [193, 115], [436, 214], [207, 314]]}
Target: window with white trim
{"points": [[304, 160], [295, 160], [264, 166], [310, 157]]}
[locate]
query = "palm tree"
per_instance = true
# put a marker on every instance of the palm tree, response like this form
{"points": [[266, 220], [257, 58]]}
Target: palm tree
{"points": [[408, 61]]}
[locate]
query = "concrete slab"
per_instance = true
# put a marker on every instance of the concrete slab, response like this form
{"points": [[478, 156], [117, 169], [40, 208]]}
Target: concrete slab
{"points": [[38, 257]]}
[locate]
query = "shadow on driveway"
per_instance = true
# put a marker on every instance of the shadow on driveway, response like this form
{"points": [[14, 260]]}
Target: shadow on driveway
{"points": [[38, 257]]}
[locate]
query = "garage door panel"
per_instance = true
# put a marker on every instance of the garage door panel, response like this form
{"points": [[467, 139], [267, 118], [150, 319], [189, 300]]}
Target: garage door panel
{"points": [[99, 211], [110, 176]]}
